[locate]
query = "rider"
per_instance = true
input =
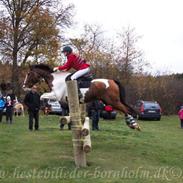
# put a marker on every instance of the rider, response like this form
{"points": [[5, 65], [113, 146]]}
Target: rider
{"points": [[74, 61]]}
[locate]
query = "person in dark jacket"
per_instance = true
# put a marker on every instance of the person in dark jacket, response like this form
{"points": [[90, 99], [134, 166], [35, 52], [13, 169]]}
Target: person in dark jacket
{"points": [[32, 101], [94, 113]]}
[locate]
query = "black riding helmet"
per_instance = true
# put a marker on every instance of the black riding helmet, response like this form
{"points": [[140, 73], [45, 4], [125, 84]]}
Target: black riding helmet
{"points": [[67, 49]]}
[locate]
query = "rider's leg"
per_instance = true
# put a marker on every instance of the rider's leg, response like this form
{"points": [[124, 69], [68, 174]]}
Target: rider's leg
{"points": [[80, 73]]}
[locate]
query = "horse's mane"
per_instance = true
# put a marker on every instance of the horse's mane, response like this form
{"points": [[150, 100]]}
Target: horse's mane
{"points": [[44, 67]]}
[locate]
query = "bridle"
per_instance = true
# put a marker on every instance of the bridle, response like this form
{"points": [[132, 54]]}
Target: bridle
{"points": [[25, 80]]}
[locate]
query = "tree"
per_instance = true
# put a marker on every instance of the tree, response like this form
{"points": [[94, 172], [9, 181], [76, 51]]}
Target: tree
{"points": [[95, 50], [18, 29], [44, 35], [128, 57], [90, 42]]}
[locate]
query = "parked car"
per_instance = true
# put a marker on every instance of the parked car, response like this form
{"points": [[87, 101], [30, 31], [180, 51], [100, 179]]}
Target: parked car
{"points": [[55, 106], [108, 112], [108, 115], [52, 105], [148, 110]]}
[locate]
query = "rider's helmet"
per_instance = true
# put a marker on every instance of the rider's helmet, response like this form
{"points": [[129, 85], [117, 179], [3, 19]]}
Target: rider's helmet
{"points": [[67, 49]]}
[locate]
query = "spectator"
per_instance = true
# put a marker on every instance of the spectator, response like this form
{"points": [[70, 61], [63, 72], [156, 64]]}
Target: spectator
{"points": [[9, 110], [180, 113], [94, 113], [32, 101], [12, 96], [2, 106]]}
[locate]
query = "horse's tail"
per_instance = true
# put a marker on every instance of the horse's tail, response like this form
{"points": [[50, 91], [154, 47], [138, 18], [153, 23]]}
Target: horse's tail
{"points": [[122, 95], [122, 92]]}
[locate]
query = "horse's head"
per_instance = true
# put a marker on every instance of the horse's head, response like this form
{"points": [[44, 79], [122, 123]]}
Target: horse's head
{"points": [[31, 78], [35, 74]]}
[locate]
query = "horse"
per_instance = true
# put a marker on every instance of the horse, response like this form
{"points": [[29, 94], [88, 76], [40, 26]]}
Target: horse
{"points": [[18, 109], [109, 91]]}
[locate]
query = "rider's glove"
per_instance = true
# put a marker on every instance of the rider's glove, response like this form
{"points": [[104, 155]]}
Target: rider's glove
{"points": [[55, 69]]}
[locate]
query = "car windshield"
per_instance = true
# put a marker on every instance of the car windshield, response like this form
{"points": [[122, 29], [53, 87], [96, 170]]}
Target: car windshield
{"points": [[151, 105]]}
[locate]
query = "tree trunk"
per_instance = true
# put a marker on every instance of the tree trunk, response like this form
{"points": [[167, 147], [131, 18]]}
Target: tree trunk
{"points": [[15, 70]]}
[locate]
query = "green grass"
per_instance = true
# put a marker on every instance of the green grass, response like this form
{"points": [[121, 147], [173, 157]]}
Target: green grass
{"points": [[119, 154]]}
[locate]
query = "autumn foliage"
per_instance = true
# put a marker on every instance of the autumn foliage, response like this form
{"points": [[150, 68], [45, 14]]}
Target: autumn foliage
{"points": [[33, 32]]}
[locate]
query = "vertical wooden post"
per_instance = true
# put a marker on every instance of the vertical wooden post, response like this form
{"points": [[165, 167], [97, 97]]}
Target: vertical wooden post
{"points": [[76, 124], [83, 112]]}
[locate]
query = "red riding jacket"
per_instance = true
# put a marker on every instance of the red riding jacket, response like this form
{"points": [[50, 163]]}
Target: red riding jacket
{"points": [[74, 61]]}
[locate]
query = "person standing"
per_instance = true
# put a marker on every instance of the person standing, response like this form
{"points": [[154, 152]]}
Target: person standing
{"points": [[180, 114], [9, 110], [2, 106], [32, 101], [94, 113]]}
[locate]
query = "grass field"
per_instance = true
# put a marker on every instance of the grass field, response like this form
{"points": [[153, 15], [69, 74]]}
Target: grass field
{"points": [[119, 154]]}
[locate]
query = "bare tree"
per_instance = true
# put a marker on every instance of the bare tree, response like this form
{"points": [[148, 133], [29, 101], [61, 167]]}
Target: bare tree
{"points": [[90, 41], [128, 57], [94, 48]]}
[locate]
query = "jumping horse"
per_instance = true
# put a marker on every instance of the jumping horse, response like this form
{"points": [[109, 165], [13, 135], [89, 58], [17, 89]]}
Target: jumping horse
{"points": [[107, 90]]}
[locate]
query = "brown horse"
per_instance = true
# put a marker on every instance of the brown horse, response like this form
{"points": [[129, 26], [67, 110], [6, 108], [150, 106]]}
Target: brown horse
{"points": [[109, 91]]}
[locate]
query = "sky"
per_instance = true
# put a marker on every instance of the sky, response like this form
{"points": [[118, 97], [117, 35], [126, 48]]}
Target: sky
{"points": [[159, 22]]}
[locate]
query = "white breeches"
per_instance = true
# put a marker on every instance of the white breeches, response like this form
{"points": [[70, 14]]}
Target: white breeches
{"points": [[80, 73]]}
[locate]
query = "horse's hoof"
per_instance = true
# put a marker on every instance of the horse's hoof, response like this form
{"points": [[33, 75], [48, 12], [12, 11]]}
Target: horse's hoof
{"points": [[135, 126], [138, 128]]}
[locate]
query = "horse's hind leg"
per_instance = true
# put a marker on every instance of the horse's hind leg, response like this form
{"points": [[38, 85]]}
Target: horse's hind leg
{"points": [[130, 121]]}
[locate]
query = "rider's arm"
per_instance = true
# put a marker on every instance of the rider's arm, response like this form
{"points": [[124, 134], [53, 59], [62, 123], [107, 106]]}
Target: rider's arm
{"points": [[67, 65]]}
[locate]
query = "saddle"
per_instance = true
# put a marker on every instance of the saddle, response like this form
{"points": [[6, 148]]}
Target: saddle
{"points": [[84, 81]]}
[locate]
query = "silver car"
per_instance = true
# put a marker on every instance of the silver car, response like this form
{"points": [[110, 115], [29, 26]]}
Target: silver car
{"points": [[51, 106], [55, 106], [50, 102]]}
